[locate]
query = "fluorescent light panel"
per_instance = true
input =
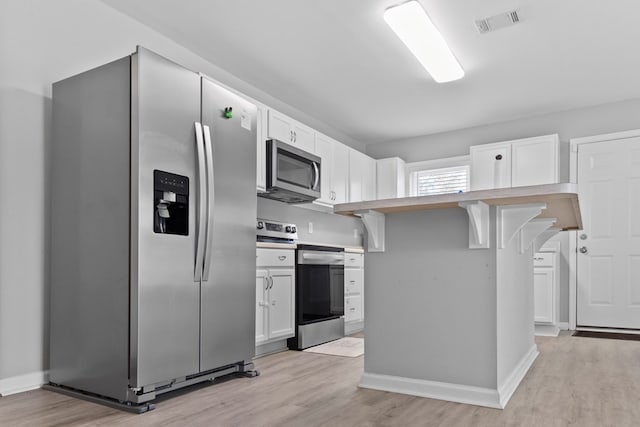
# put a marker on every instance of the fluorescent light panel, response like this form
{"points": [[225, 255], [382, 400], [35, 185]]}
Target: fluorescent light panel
{"points": [[412, 25]]}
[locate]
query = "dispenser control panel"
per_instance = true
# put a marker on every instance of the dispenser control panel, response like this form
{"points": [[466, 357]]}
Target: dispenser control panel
{"points": [[170, 203]]}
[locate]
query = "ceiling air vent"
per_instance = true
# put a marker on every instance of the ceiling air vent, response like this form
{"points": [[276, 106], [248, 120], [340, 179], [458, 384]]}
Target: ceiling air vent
{"points": [[496, 22]]}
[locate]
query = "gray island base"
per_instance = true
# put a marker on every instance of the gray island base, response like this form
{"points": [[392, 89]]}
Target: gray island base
{"points": [[449, 302]]}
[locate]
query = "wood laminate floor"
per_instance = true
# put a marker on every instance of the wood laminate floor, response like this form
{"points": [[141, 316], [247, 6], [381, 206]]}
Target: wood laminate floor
{"points": [[574, 382]]}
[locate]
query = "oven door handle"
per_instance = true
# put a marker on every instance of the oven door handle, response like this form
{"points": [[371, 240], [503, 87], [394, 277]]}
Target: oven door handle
{"points": [[324, 258]]}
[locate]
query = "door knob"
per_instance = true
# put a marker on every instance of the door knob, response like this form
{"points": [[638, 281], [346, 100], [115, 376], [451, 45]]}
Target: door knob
{"points": [[583, 236], [584, 250]]}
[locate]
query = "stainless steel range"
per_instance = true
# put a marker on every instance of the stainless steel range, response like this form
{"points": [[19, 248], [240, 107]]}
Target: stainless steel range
{"points": [[319, 296]]}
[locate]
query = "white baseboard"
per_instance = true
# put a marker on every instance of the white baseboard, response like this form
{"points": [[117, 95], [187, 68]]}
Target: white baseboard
{"points": [[271, 347], [353, 327], [546, 330], [24, 382], [510, 384], [564, 326], [432, 389]]}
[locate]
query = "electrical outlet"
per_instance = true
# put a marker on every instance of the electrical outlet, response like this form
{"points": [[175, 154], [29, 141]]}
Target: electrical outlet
{"points": [[310, 228]]}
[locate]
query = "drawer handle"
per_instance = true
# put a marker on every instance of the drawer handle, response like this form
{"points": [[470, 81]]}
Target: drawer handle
{"points": [[352, 309], [282, 257], [352, 259], [352, 281], [538, 259]]}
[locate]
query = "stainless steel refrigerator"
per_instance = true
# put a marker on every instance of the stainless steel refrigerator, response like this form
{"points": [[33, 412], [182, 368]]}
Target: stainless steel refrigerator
{"points": [[153, 231]]}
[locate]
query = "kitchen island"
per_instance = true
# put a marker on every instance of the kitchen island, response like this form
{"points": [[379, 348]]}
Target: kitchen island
{"points": [[449, 302]]}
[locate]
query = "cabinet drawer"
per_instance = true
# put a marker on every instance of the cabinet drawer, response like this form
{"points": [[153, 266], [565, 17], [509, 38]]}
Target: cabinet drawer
{"points": [[275, 257], [353, 260], [543, 259], [352, 308], [353, 281]]}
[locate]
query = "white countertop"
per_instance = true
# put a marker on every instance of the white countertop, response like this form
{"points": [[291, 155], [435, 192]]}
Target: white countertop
{"points": [[561, 200]]}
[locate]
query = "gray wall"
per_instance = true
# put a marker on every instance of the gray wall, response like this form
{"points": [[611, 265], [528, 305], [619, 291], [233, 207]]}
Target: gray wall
{"points": [[601, 119], [430, 304], [42, 42], [596, 120]]}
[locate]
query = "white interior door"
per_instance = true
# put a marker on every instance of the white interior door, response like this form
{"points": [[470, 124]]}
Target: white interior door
{"points": [[608, 269]]}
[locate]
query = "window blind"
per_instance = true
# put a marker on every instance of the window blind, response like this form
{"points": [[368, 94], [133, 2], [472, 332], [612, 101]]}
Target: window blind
{"points": [[441, 181]]}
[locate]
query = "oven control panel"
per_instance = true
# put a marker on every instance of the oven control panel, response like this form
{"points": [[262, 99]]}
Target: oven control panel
{"points": [[267, 229]]}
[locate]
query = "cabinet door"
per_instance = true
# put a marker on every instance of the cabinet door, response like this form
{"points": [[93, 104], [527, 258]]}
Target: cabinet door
{"points": [[535, 161], [490, 166], [262, 283], [390, 178], [369, 179], [303, 137], [261, 149], [281, 300], [356, 173], [340, 172], [279, 127], [543, 294], [324, 149]]}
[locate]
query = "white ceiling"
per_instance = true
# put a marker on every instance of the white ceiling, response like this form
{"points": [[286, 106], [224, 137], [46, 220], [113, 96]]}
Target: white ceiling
{"points": [[339, 62]]}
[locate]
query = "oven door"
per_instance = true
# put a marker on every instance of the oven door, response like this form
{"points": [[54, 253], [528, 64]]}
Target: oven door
{"points": [[319, 286], [292, 170]]}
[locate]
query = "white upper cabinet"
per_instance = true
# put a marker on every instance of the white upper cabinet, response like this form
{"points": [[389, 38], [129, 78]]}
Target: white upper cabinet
{"points": [[534, 161], [362, 177], [390, 178], [490, 166], [334, 172], [288, 130], [530, 161]]}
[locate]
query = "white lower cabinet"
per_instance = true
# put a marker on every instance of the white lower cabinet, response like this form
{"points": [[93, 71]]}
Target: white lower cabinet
{"points": [[545, 291], [353, 292], [543, 294], [275, 294]]}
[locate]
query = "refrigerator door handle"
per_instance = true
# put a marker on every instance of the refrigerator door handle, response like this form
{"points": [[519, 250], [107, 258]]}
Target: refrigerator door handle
{"points": [[208, 249], [201, 223]]}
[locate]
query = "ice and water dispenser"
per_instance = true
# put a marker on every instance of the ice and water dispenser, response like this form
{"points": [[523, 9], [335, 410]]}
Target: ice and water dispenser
{"points": [[171, 203]]}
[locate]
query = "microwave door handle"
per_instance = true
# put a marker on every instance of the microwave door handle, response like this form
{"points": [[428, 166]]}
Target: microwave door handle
{"points": [[208, 249], [316, 174], [201, 212]]}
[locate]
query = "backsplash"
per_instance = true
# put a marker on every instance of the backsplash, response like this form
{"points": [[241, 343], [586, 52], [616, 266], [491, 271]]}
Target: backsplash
{"points": [[328, 228]]}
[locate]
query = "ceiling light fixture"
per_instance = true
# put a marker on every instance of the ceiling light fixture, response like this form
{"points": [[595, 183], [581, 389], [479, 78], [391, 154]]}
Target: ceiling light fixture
{"points": [[413, 26]]}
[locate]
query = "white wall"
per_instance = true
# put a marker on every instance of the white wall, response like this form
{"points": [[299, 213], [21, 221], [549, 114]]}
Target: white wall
{"points": [[43, 41]]}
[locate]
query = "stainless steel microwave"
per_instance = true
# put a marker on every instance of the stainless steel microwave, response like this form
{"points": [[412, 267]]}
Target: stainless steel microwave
{"points": [[293, 175]]}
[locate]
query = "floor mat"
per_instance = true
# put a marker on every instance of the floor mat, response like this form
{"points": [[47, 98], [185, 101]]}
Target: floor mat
{"points": [[609, 335], [347, 347]]}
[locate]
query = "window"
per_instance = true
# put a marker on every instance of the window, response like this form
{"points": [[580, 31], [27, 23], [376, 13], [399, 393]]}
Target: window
{"points": [[439, 176]]}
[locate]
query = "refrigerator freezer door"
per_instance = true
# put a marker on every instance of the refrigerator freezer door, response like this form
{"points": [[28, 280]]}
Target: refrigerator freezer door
{"points": [[165, 298], [228, 294]]}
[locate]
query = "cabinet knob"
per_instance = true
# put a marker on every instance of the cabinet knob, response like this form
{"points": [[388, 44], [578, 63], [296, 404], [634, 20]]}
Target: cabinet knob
{"points": [[499, 157], [282, 257], [584, 250]]}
